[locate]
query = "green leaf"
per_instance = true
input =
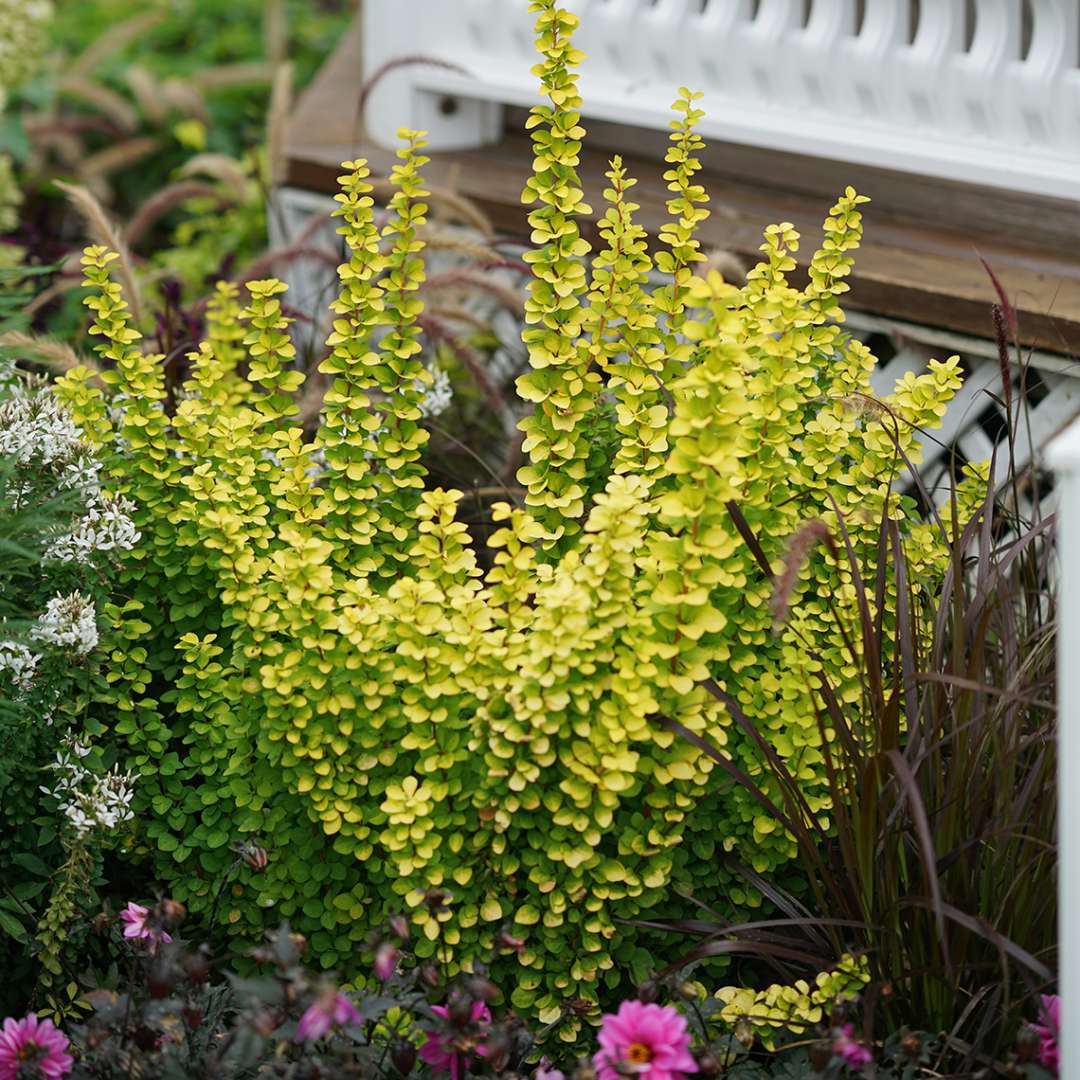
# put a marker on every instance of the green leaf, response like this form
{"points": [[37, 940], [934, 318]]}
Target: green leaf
{"points": [[28, 890], [13, 928], [31, 862]]}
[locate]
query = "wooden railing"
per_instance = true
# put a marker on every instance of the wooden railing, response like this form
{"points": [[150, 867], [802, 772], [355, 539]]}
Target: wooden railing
{"points": [[981, 91]]}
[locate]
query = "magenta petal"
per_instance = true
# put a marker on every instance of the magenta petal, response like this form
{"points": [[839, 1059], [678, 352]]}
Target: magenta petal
{"points": [[660, 1029], [345, 1012], [314, 1024], [50, 1054], [434, 1053]]}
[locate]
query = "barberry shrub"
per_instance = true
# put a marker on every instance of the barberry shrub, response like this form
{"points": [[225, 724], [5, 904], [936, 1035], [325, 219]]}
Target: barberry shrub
{"points": [[309, 653]]}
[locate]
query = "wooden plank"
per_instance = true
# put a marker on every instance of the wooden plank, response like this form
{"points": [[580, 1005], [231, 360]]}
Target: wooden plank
{"points": [[919, 260], [328, 110], [1044, 225]]}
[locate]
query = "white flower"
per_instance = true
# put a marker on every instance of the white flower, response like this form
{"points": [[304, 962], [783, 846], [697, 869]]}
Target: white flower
{"points": [[51, 456], [69, 623], [19, 662], [35, 429], [39, 437], [105, 525], [439, 394], [89, 800]]}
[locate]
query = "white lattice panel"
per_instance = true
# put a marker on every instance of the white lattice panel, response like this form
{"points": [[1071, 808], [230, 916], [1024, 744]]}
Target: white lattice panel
{"points": [[975, 425], [985, 91]]}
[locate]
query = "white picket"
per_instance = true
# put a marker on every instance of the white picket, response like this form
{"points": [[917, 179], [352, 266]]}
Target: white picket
{"points": [[1064, 456]]}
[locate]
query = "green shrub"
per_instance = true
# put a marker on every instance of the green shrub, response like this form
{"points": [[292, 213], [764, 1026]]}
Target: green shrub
{"points": [[60, 804], [307, 651]]}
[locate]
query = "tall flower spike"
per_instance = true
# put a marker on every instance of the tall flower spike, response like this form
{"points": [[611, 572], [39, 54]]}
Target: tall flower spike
{"points": [[399, 372], [832, 263], [137, 377], [221, 351], [561, 382], [349, 424], [686, 212], [622, 326], [271, 349]]}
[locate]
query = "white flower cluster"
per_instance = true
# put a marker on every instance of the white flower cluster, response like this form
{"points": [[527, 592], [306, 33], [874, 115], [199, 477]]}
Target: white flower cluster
{"points": [[19, 663], [39, 436], [41, 439], [89, 800], [69, 623], [439, 394], [105, 525]]}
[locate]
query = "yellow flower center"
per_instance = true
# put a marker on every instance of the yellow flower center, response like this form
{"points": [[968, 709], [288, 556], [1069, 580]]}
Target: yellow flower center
{"points": [[29, 1051], [638, 1054]]}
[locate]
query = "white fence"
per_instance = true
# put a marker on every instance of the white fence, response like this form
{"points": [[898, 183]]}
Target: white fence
{"points": [[1064, 456], [984, 91]]}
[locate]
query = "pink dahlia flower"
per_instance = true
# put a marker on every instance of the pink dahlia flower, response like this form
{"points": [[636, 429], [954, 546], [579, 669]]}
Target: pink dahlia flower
{"points": [[442, 1052], [650, 1041], [1050, 1014], [386, 958], [328, 1009], [854, 1054], [134, 917], [33, 1044]]}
